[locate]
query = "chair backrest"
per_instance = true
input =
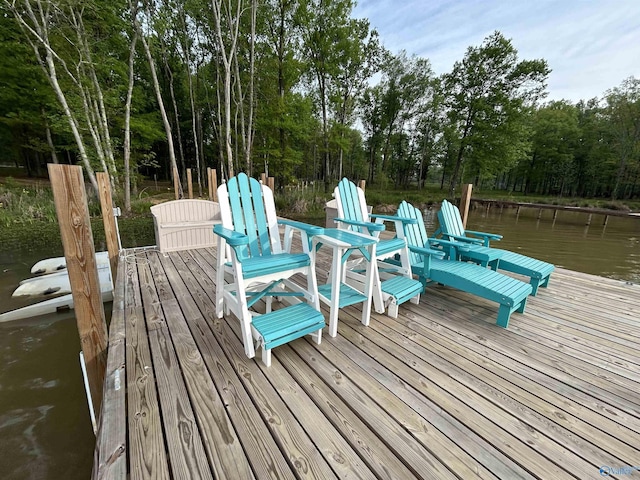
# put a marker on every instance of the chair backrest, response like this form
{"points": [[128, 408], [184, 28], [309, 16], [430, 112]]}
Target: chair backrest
{"points": [[247, 207], [351, 204], [450, 220], [415, 234]]}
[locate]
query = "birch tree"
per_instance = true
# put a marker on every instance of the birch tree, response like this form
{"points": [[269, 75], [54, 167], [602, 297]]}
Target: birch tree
{"points": [[226, 13], [156, 87], [36, 19]]}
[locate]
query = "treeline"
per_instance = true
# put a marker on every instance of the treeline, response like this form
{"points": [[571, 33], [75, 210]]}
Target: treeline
{"points": [[287, 87]]}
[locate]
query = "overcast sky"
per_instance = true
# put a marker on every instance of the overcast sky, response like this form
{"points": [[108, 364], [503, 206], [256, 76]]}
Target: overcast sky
{"points": [[590, 46]]}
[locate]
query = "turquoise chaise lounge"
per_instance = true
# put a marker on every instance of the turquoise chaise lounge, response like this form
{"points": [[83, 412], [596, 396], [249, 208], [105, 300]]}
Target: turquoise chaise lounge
{"points": [[427, 263], [479, 251]]}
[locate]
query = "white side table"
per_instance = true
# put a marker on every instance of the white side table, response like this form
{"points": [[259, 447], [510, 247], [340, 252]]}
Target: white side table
{"points": [[337, 294]]}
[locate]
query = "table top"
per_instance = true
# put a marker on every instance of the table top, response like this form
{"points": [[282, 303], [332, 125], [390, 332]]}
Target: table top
{"points": [[345, 237]]}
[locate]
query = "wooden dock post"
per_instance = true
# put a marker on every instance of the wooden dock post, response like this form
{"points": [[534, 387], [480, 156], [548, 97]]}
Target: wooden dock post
{"points": [[263, 178], [108, 219], [176, 183], [362, 184], [213, 185], [70, 199], [465, 200], [272, 183], [189, 183]]}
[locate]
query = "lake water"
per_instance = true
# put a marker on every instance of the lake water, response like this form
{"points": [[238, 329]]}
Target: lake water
{"points": [[45, 430]]}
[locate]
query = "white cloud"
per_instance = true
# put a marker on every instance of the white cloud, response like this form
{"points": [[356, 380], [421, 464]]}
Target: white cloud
{"points": [[590, 46]]}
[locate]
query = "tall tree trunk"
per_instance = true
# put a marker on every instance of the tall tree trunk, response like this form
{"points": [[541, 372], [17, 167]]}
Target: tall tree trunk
{"points": [[163, 112], [227, 58], [95, 110], [252, 62], [460, 156], [127, 125], [52, 148], [176, 115]]}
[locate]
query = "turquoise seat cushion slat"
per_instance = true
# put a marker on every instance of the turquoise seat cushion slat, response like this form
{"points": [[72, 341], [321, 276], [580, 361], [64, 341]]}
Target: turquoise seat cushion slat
{"points": [[531, 267], [281, 326], [479, 281], [348, 295], [402, 288], [259, 266], [388, 246]]}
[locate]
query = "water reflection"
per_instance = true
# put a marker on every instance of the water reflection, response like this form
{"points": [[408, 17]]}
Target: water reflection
{"points": [[45, 429], [609, 250]]}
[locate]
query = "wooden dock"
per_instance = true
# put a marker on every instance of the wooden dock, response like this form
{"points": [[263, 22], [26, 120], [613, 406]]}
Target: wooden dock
{"points": [[440, 392]]}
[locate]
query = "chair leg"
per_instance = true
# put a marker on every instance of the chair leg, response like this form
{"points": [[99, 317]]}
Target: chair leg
{"points": [[269, 302], [535, 283], [220, 291], [504, 312], [378, 302], [522, 305], [317, 336], [392, 310], [266, 356]]}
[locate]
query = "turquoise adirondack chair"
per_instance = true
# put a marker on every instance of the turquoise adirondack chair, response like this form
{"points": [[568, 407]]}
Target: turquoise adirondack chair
{"points": [[251, 258], [429, 265], [392, 284], [480, 251]]}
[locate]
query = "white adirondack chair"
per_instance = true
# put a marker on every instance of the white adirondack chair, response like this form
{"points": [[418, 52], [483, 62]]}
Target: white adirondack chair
{"points": [[393, 284], [250, 251]]}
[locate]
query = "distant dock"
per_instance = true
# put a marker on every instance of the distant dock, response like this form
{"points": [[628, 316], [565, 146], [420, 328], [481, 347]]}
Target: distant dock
{"points": [[606, 213]]}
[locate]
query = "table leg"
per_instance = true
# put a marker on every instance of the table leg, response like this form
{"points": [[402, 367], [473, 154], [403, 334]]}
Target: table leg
{"points": [[372, 267], [336, 277]]}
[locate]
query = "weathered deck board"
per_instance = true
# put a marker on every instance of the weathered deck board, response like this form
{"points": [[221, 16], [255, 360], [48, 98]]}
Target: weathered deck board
{"points": [[147, 449], [439, 392], [111, 447]]}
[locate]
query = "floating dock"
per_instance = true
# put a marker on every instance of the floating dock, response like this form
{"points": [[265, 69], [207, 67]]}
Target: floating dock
{"points": [[440, 392]]}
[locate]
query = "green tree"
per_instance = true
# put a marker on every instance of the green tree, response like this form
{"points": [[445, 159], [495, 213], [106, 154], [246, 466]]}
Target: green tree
{"points": [[488, 95], [555, 137], [623, 113]]}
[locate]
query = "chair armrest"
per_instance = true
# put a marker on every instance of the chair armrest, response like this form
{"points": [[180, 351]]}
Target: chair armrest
{"points": [[372, 227], [427, 251], [233, 238], [305, 227], [457, 245], [491, 236], [395, 218], [460, 239]]}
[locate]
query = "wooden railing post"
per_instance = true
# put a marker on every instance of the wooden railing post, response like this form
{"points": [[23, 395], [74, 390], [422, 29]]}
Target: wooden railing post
{"points": [[362, 184], [263, 178], [271, 181], [110, 230], [189, 183], [176, 183], [70, 199], [465, 200]]}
